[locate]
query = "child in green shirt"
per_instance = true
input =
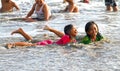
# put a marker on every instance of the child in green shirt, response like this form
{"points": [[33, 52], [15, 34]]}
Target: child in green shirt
{"points": [[92, 32]]}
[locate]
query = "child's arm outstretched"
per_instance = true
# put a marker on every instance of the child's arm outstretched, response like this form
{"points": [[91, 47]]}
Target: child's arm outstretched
{"points": [[58, 33]]}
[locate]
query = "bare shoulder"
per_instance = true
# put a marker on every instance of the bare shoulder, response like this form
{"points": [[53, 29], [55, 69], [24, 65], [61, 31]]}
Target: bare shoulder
{"points": [[45, 5]]}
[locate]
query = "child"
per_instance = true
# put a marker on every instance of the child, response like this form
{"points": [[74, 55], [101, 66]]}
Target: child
{"points": [[68, 37], [71, 6], [92, 32], [41, 9], [111, 5], [8, 5]]}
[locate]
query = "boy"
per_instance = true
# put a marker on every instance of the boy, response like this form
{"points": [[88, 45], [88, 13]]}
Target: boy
{"points": [[8, 5]]}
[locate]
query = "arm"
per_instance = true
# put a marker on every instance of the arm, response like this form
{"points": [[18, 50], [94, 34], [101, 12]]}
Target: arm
{"points": [[14, 5], [58, 33], [46, 12], [71, 8], [31, 11]]}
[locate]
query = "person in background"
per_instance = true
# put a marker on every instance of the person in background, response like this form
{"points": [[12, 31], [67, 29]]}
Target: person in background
{"points": [[92, 33], [69, 30], [85, 1], [71, 7], [111, 5], [42, 11], [8, 5]]}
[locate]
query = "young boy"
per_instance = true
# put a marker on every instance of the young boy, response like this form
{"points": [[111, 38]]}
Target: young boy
{"points": [[8, 5]]}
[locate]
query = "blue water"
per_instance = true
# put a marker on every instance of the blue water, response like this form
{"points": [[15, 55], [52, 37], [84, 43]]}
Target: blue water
{"points": [[101, 56]]}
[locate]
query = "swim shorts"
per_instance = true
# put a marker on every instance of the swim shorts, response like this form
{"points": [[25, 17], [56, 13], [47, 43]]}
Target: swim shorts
{"points": [[110, 3]]}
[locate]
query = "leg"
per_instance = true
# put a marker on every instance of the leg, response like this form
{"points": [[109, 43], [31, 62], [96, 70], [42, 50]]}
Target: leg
{"points": [[108, 5], [58, 33], [10, 45], [24, 34], [115, 8], [108, 8], [114, 5]]}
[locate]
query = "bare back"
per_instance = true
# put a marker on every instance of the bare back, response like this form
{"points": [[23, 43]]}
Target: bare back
{"points": [[8, 6], [72, 8]]}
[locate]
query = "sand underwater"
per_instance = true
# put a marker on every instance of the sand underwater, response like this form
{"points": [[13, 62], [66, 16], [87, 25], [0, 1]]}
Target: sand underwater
{"points": [[99, 56]]}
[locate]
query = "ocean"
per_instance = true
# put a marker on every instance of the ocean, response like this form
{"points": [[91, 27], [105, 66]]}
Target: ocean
{"points": [[99, 56]]}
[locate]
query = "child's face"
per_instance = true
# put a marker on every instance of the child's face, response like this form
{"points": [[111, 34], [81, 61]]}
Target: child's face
{"points": [[93, 30], [73, 31]]}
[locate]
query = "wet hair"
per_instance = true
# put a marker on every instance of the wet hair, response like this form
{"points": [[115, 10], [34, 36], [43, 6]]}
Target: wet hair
{"points": [[88, 25], [67, 29]]}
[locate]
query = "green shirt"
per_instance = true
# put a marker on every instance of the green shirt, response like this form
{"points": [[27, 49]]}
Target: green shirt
{"points": [[87, 40]]}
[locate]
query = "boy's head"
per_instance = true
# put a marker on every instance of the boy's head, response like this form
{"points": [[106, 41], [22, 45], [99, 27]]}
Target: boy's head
{"points": [[91, 29], [70, 30]]}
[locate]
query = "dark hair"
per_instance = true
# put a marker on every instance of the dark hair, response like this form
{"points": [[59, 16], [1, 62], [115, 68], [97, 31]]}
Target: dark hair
{"points": [[67, 29], [88, 25]]}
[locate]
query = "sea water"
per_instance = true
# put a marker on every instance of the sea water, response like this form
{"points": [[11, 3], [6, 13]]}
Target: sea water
{"points": [[101, 56]]}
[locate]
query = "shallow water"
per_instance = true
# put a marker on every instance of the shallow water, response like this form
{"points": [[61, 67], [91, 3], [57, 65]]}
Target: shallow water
{"points": [[100, 56]]}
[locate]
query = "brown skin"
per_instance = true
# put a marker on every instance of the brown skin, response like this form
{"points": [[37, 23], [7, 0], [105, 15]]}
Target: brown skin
{"points": [[25, 35], [110, 8], [58, 33], [93, 32], [73, 33], [8, 5], [39, 5], [71, 7]]}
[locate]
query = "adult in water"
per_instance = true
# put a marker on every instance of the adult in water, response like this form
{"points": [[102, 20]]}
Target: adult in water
{"points": [[42, 11], [8, 5], [111, 5]]}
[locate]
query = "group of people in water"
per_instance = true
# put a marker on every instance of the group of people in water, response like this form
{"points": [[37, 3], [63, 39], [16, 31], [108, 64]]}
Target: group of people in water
{"points": [[70, 32], [69, 36], [8, 5]]}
